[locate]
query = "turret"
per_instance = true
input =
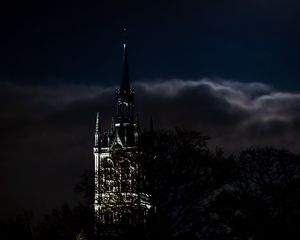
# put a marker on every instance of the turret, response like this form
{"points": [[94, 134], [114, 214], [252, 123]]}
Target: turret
{"points": [[98, 132]]}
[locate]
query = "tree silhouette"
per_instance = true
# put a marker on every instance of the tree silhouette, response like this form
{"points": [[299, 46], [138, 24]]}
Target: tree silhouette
{"points": [[196, 194], [66, 223], [183, 176], [262, 201]]}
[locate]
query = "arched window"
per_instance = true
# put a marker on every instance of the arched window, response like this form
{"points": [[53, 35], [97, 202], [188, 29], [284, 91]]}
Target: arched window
{"points": [[109, 172], [126, 186], [107, 163], [125, 170], [125, 176]]}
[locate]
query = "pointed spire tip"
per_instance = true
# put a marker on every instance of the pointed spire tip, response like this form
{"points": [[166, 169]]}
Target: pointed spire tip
{"points": [[124, 36]]}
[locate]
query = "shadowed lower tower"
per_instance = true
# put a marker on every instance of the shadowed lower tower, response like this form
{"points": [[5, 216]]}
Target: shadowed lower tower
{"points": [[118, 197]]}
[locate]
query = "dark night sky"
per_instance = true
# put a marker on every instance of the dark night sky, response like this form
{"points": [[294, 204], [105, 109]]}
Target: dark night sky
{"points": [[229, 68]]}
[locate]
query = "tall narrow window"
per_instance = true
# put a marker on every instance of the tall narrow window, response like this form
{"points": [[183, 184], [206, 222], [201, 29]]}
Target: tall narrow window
{"points": [[125, 176], [108, 167]]}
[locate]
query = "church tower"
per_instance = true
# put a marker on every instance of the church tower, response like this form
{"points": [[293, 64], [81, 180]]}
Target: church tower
{"points": [[118, 196]]}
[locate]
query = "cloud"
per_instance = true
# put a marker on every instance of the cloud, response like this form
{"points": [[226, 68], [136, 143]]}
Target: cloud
{"points": [[47, 131], [236, 114]]}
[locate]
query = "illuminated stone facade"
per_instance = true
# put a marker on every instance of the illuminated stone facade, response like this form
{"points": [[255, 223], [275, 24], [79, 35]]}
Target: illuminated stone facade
{"points": [[118, 179]]}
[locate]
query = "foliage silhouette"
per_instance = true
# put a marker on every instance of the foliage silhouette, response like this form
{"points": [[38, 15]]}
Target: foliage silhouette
{"points": [[183, 177], [263, 200], [197, 193]]}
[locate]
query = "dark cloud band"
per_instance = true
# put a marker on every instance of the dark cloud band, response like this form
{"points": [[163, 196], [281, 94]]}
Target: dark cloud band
{"points": [[47, 131]]}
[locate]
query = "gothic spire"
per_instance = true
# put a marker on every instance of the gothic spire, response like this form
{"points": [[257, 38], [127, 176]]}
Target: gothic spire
{"points": [[125, 84], [124, 118]]}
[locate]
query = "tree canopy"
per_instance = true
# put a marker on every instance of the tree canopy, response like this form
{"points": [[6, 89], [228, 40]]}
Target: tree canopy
{"points": [[196, 193]]}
